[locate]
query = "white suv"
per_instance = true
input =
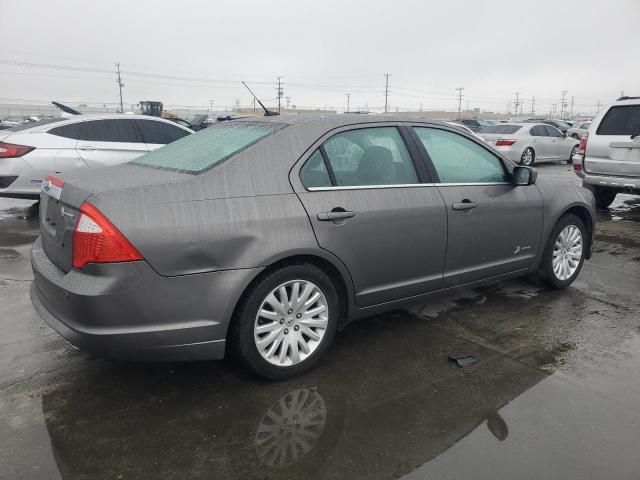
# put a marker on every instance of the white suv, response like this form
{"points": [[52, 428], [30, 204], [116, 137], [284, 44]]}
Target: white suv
{"points": [[30, 152], [608, 158]]}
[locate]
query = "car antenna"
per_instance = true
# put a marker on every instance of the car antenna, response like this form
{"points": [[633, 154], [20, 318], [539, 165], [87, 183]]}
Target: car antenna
{"points": [[267, 113], [66, 109]]}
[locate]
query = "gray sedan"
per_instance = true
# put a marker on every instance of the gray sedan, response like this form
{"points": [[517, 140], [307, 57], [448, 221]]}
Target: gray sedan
{"points": [[528, 143], [260, 237]]}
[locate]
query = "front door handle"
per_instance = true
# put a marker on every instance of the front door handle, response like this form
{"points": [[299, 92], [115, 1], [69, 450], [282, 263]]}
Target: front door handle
{"points": [[465, 205], [335, 215]]}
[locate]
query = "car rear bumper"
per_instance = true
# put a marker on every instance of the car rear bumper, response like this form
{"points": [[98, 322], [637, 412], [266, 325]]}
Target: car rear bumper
{"points": [[631, 184], [127, 311]]}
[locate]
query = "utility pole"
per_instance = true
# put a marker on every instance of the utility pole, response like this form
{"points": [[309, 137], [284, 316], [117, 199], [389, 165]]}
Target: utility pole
{"points": [[279, 91], [459, 89], [533, 102], [517, 102], [211, 105], [120, 85], [562, 104], [571, 114], [598, 106], [348, 95], [622, 93], [386, 92], [254, 105]]}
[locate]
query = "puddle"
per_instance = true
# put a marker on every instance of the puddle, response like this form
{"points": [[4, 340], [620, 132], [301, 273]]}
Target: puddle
{"points": [[625, 207]]}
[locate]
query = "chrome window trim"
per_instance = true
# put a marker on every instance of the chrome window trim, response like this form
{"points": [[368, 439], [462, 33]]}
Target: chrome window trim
{"points": [[404, 185]]}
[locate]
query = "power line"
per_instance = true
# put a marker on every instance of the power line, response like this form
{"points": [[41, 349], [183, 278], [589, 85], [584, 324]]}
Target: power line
{"points": [[386, 92], [459, 89], [120, 85]]}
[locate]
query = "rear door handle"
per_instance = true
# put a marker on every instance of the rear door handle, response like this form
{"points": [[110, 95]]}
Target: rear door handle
{"points": [[337, 215], [87, 148], [464, 205]]}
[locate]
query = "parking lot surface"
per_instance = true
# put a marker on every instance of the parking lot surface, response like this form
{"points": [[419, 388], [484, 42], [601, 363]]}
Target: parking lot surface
{"points": [[555, 391]]}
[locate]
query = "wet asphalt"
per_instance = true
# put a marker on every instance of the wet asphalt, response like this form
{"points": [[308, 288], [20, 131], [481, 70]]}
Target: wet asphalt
{"points": [[555, 391]]}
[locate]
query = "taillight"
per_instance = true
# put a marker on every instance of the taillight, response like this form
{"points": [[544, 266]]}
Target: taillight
{"points": [[582, 148], [501, 142], [97, 240], [10, 150], [577, 167]]}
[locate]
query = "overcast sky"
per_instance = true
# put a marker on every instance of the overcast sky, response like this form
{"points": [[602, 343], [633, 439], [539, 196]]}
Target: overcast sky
{"points": [[189, 52]]}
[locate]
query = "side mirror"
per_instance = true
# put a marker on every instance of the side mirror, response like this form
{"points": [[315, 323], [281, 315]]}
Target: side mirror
{"points": [[524, 176]]}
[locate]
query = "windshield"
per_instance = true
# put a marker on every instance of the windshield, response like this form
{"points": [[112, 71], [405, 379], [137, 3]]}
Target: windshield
{"points": [[501, 129], [199, 152]]}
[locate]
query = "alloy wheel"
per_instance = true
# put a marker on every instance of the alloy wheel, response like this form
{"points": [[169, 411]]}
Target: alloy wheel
{"points": [[527, 157], [567, 252], [291, 323]]}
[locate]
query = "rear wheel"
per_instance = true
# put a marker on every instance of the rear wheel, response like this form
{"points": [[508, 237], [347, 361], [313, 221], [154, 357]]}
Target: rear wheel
{"points": [[575, 135], [286, 322], [574, 150], [564, 252], [528, 157]]}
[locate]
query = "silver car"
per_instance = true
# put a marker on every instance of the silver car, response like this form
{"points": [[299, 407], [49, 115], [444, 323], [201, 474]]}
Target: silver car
{"points": [[578, 130], [259, 237], [530, 143], [30, 152]]}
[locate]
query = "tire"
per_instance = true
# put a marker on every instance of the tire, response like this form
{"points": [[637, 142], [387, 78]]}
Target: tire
{"points": [[528, 157], [604, 197], [288, 329], [574, 150], [575, 135], [566, 271]]}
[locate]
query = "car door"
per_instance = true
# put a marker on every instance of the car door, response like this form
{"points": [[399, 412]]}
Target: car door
{"points": [[494, 227], [541, 142], [157, 133], [106, 142], [369, 204], [559, 147]]}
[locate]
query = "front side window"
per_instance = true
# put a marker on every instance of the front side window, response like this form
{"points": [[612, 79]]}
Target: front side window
{"points": [[538, 131], [157, 132], [458, 159], [201, 151], [370, 156], [553, 132]]}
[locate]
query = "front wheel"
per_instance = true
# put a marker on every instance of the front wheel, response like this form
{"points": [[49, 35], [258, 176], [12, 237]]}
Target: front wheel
{"points": [[286, 322], [528, 157], [564, 253], [574, 150]]}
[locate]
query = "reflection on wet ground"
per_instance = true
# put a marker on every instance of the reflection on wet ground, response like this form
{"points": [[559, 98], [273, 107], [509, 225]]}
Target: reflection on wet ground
{"points": [[554, 394]]}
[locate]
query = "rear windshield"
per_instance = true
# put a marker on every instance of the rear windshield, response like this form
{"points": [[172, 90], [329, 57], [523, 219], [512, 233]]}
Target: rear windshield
{"points": [[621, 120], [201, 151], [502, 129]]}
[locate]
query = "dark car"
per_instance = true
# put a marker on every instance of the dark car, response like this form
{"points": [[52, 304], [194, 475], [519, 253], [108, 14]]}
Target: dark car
{"points": [[261, 235], [474, 124]]}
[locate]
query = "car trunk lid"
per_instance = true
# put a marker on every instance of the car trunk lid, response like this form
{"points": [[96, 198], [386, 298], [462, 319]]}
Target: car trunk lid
{"points": [[59, 207]]}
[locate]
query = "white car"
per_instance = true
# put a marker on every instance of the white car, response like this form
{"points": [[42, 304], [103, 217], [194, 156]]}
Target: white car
{"points": [[30, 152], [578, 129], [529, 143], [466, 129]]}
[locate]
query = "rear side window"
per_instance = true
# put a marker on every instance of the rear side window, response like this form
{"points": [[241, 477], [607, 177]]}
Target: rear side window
{"points": [[153, 131], [458, 159], [314, 173], [113, 130], [538, 131], [502, 129], [370, 156], [199, 152], [620, 120]]}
